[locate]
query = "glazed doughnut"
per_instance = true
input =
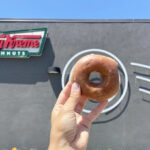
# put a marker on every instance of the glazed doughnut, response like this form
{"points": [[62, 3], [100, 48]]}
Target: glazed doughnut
{"points": [[108, 69]]}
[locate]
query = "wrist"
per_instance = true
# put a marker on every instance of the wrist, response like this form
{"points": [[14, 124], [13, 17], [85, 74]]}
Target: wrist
{"points": [[55, 146], [57, 142]]}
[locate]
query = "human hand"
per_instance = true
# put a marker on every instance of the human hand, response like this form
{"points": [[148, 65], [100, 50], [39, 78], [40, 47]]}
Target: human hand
{"points": [[69, 128]]}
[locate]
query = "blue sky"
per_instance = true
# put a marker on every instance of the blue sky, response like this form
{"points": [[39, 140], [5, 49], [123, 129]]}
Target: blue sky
{"points": [[75, 9]]}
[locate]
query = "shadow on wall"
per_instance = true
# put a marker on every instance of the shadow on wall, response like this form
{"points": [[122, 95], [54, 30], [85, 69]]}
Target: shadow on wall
{"points": [[27, 71], [121, 109], [55, 80]]}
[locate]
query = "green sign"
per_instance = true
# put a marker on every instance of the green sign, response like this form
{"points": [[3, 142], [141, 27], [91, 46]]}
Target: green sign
{"points": [[22, 43]]}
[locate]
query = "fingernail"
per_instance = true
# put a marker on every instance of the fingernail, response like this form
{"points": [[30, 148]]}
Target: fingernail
{"points": [[75, 86]]}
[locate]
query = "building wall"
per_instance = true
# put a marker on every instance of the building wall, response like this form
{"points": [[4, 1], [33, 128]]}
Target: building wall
{"points": [[28, 93]]}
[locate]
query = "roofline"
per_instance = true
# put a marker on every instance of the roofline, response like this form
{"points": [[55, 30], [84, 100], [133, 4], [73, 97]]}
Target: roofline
{"points": [[76, 20]]}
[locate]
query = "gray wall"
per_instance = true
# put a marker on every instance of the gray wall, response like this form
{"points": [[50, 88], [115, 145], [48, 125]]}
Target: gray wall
{"points": [[28, 93]]}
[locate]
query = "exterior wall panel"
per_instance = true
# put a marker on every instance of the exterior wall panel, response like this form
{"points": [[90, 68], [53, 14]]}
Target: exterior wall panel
{"points": [[28, 93]]}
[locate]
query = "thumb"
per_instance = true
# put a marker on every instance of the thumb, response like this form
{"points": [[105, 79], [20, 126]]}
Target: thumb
{"points": [[74, 96]]}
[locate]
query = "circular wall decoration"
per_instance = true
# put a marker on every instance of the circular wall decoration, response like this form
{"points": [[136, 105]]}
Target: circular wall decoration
{"points": [[71, 62]]}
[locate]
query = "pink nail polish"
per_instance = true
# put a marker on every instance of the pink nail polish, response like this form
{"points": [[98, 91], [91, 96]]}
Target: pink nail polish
{"points": [[75, 86]]}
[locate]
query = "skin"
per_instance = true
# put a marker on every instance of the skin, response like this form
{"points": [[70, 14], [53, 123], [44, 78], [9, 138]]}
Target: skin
{"points": [[70, 129]]}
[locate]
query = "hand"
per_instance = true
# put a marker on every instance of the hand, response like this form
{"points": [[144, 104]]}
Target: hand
{"points": [[69, 128]]}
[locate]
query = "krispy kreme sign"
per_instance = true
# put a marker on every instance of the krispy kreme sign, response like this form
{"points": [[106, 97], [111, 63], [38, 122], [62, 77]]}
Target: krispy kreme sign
{"points": [[22, 43]]}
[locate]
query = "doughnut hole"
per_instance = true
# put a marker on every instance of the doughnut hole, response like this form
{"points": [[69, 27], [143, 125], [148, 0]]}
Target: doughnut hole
{"points": [[95, 77]]}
